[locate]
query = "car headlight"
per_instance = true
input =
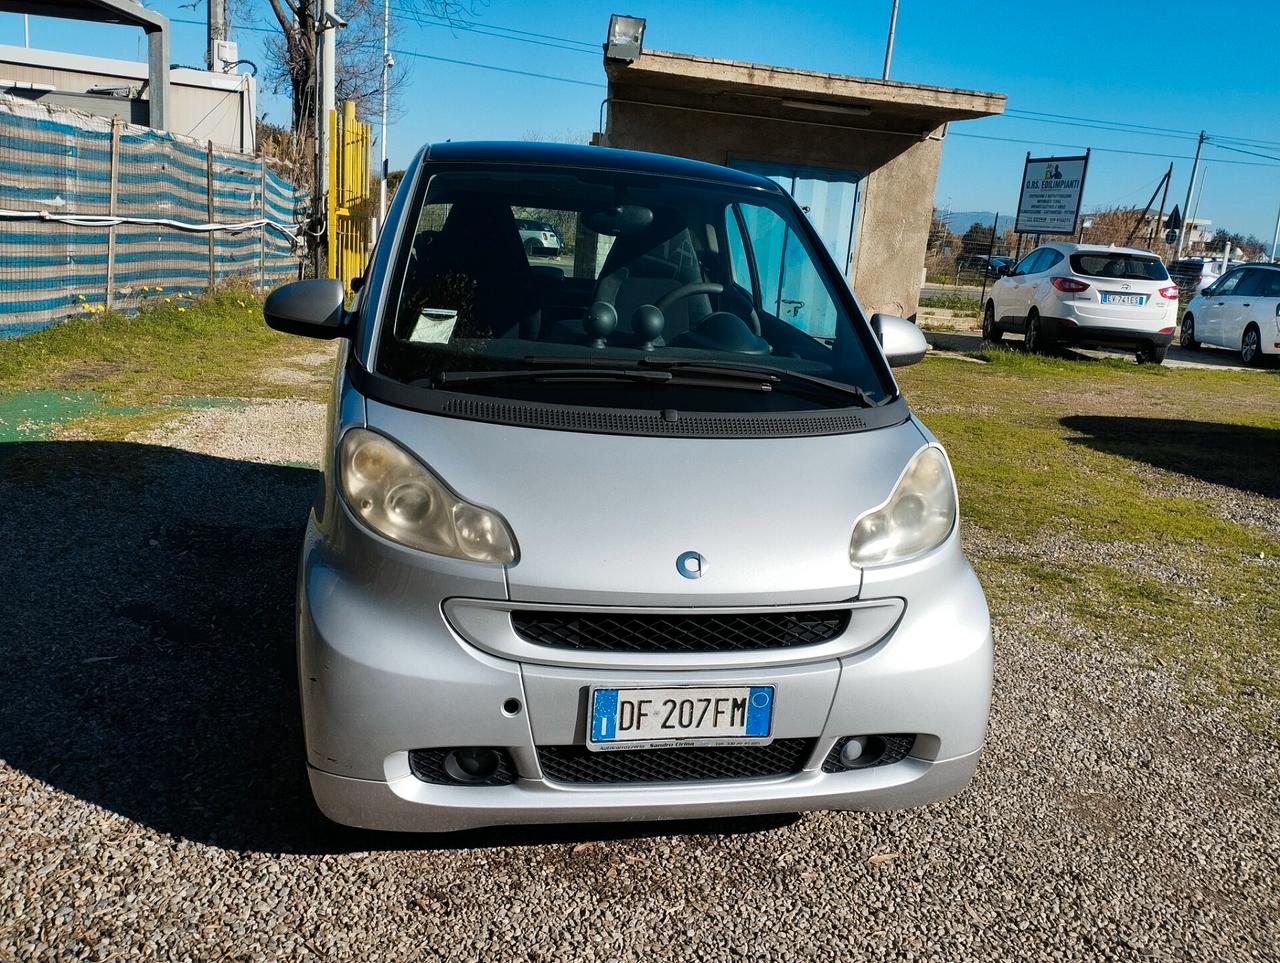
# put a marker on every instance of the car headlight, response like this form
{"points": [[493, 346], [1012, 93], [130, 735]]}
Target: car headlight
{"points": [[918, 515], [398, 497]]}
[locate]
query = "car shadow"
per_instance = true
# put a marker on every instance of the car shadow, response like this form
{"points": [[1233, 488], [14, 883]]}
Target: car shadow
{"points": [[1243, 457], [148, 648]]}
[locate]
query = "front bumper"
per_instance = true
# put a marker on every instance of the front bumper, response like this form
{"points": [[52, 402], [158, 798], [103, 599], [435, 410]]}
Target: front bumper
{"points": [[383, 672], [407, 805]]}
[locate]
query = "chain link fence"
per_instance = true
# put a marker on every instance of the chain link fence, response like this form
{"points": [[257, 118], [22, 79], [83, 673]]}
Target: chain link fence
{"points": [[99, 215]]}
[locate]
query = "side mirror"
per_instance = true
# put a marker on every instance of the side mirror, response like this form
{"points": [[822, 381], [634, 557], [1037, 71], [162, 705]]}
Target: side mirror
{"points": [[901, 340], [313, 309]]}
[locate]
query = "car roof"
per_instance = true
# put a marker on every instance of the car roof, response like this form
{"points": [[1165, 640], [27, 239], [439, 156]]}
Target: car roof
{"points": [[1068, 247], [593, 158]]}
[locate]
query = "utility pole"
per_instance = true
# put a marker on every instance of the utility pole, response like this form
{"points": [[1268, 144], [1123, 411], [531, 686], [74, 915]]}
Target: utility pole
{"points": [[1159, 224], [1275, 239], [217, 31], [888, 49], [1195, 168], [387, 63], [328, 62]]}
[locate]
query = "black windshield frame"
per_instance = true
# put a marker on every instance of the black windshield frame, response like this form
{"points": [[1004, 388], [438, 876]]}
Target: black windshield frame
{"points": [[372, 313]]}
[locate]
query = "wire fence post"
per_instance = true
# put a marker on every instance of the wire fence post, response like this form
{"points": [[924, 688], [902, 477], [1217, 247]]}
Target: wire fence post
{"points": [[991, 250], [213, 250], [111, 210], [262, 236]]}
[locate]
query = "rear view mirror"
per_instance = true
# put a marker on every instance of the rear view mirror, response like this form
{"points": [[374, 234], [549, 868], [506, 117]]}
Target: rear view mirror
{"points": [[901, 340], [619, 221], [313, 309]]}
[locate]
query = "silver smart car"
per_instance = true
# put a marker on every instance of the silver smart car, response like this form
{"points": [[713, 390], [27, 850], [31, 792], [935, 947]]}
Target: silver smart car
{"points": [[648, 535]]}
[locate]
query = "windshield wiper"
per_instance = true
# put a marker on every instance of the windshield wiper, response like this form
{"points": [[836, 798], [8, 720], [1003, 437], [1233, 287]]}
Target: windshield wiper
{"points": [[583, 373], [763, 372], [766, 376]]}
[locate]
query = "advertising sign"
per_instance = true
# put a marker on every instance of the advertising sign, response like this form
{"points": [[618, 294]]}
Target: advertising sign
{"points": [[1049, 201]]}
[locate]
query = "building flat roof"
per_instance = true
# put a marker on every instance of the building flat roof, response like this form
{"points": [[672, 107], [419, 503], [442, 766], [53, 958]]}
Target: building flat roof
{"points": [[791, 92], [128, 12]]}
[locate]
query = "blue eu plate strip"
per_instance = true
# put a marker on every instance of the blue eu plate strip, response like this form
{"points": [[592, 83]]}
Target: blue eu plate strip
{"points": [[604, 715], [759, 710]]}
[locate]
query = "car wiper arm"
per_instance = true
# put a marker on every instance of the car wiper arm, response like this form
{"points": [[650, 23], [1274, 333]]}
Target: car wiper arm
{"points": [[583, 373], [766, 373]]}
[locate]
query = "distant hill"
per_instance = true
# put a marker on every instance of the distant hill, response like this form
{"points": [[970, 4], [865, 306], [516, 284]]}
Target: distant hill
{"points": [[961, 221]]}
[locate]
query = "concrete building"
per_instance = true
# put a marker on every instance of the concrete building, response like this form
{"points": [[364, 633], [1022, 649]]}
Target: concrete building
{"points": [[202, 104], [207, 105], [861, 155]]}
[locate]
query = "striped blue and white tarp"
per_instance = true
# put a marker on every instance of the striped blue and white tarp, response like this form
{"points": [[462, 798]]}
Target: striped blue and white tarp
{"points": [[57, 217]]}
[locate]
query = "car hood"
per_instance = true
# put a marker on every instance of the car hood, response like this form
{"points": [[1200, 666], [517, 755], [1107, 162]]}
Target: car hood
{"points": [[601, 519]]}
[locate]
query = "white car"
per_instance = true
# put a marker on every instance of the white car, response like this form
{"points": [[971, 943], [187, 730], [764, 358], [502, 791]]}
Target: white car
{"points": [[1241, 311], [1088, 295], [539, 238]]}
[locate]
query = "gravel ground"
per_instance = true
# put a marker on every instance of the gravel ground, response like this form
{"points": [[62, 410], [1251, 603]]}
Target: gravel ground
{"points": [[155, 805]]}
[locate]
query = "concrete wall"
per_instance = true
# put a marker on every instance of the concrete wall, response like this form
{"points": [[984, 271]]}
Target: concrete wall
{"points": [[897, 191]]}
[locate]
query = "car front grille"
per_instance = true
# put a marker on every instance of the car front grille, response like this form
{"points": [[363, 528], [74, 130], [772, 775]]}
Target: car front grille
{"points": [[740, 632], [577, 764]]}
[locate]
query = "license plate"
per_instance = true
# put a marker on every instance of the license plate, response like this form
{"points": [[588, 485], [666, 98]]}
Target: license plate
{"points": [[1110, 297], [643, 718]]}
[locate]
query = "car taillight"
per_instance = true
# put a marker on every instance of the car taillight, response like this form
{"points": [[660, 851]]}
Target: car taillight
{"points": [[1069, 285], [1170, 293]]}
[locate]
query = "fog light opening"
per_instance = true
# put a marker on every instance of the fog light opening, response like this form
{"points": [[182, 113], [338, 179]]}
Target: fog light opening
{"points": [[853, 750], [471, 765], [863, 752]]}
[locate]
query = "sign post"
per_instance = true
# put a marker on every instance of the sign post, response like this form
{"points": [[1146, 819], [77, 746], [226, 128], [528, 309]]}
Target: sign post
{"points": [[1049, 200]]}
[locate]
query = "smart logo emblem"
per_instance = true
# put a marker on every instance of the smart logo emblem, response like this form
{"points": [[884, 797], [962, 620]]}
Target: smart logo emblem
{"points": [[691, 565]]}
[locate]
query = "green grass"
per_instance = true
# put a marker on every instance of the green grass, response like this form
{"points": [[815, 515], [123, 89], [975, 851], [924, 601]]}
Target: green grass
{"points": [[1049, 447], [212, 345], [107, 375], [962, 305]]}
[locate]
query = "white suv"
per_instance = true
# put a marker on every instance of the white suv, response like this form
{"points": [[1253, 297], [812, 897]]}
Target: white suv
{"points": [[1241, 311], [1089, 295]]}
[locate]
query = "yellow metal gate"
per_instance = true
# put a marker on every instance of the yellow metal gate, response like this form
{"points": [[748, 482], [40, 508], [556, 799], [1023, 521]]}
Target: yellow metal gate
{"points": [[350, 203]]}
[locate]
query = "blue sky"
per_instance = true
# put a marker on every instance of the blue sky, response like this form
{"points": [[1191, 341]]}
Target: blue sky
{"points": [[1178, 65]]}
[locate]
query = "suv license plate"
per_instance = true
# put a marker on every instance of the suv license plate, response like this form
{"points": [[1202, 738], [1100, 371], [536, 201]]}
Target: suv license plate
{"points": [[1109, 297], [680, 716]]}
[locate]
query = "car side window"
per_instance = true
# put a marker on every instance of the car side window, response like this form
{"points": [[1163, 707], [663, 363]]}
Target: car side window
{"points": [[1251, 283], [791, 288], [1227, 284], [1024, 266], [1052, 260], [1270, 286]]}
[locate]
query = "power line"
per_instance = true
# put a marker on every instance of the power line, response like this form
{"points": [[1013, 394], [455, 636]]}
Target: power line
{"points": [[422, 21], [1120, 126], [1212, 143], [1106, 150], [464, 24], [448, 60], [1008, 115], [501, 32], [508, 70]]}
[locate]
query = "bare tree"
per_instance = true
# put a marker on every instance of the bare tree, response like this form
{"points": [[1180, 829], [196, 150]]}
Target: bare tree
{"points": [[292, 51]]}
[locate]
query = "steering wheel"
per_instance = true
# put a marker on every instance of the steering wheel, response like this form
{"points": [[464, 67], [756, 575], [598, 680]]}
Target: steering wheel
{"points": [[701, 287]]}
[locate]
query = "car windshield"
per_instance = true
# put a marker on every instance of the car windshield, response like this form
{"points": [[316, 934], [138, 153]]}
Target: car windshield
{"points": [[1118, 264], [660, 293]]}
